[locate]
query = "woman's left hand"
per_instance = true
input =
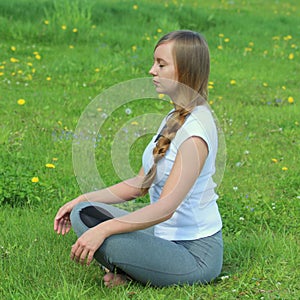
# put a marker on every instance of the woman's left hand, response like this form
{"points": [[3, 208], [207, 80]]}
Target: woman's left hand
{"points": [[86, 245]]}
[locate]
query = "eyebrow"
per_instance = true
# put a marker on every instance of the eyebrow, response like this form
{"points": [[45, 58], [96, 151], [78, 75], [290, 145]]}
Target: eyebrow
{"points": [[160, 60]]}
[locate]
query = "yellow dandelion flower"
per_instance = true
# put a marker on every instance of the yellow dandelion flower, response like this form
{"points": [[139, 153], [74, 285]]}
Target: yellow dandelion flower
{"points": [[290, 100], [160, 96], [275, 38], [291, 56], [35, 179], [135, 7], [283, 87], [220, 47], [2, 67], [50, 166], [71, 47], [134, 123], [37, 56], [59, 123], [33, 70], [226, 40], [20, 72], [159, 30], [232, 82], [284, 169], [265, 52], [63, 27], [99, 109], [48, 78], [97, 70], [75, 30], [46, 22], [274, 160], [293, 46], [133, 48], [265, 84], [13, 48], [14, 60], [29, 77], [211, 83], [94, 26], [148, 38], [21, 101], [29, 64], [55, 159], [288, 37], [211, 102], [1, 73], [251, 44], [35, 53], [221, 35], [13, 73], [248, 49], [210, 87]]}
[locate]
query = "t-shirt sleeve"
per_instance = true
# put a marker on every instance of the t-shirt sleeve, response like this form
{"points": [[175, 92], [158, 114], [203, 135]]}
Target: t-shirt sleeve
{"points": [[203, 127]]}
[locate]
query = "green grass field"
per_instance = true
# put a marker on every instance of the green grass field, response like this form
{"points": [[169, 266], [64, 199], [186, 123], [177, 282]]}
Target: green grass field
{"points": [[57, 56]]}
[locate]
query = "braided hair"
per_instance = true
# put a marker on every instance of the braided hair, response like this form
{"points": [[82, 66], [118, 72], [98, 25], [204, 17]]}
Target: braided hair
{"points": [[191, 56]]}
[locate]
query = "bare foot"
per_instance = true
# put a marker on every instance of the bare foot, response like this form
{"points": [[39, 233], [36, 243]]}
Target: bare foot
{"points": [[112, 279]]}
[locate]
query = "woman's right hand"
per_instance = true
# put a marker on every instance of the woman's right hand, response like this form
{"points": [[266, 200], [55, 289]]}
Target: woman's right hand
{"points": [[62, 222]]}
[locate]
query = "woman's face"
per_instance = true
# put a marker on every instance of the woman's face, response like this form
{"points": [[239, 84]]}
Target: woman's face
{"points": [[164, 69]]}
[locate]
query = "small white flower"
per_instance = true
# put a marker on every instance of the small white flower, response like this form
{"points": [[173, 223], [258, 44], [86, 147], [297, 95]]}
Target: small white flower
{"points": [[128, 111], [246, 152], [235, 188], [224, 277], [242, 219]]}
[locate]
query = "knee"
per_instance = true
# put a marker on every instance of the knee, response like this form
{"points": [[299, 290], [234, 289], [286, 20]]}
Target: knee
{"points": [[78, 226]]}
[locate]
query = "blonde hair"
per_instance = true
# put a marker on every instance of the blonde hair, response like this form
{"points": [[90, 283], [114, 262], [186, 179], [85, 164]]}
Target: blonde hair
{"points": [[192, 62]]}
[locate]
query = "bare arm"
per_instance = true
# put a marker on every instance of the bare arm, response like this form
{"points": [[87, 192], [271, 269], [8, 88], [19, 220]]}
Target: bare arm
{"points": [[187, 167], [123, 191], [188, 164], [120, 192]]}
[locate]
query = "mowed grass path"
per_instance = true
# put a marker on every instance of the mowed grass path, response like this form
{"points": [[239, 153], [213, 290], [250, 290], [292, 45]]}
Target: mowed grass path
{"points": [[57, 56]]}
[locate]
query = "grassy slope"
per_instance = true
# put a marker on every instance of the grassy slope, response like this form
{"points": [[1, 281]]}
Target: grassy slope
{"points": [[261, 217]]}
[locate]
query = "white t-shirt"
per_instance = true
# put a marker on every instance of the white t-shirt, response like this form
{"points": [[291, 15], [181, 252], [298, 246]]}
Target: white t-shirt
{"points": [[198, 215]]}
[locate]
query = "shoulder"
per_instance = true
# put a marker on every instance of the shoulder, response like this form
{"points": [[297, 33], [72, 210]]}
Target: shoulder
{"points": [[200, 123]]}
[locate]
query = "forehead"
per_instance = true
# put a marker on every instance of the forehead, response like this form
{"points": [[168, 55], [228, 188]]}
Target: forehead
{"points": [[164, 51]]}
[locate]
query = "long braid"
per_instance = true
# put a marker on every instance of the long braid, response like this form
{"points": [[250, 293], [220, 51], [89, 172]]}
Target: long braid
{"points": [[191, 56], [173, 124]]}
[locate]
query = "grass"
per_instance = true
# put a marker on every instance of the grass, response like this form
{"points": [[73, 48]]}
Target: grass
{"points": [[59, 70]]}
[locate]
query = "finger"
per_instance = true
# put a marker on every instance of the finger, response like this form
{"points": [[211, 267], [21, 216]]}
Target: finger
{"points": [[57, 226], [73, 251], [68, 226], [83, 256], [76, 252], [90, 257], [56, 222], [65, 224], [60, 226], [57, 218]]}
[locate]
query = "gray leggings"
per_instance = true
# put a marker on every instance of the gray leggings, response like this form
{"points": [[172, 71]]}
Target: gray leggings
{"points": [[149, 259]]}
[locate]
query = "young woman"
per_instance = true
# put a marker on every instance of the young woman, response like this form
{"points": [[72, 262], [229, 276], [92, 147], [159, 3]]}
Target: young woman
{"points": [[177, 238]]}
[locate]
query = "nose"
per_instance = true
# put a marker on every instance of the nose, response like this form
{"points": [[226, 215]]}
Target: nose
{"points": [[152, 71]]}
